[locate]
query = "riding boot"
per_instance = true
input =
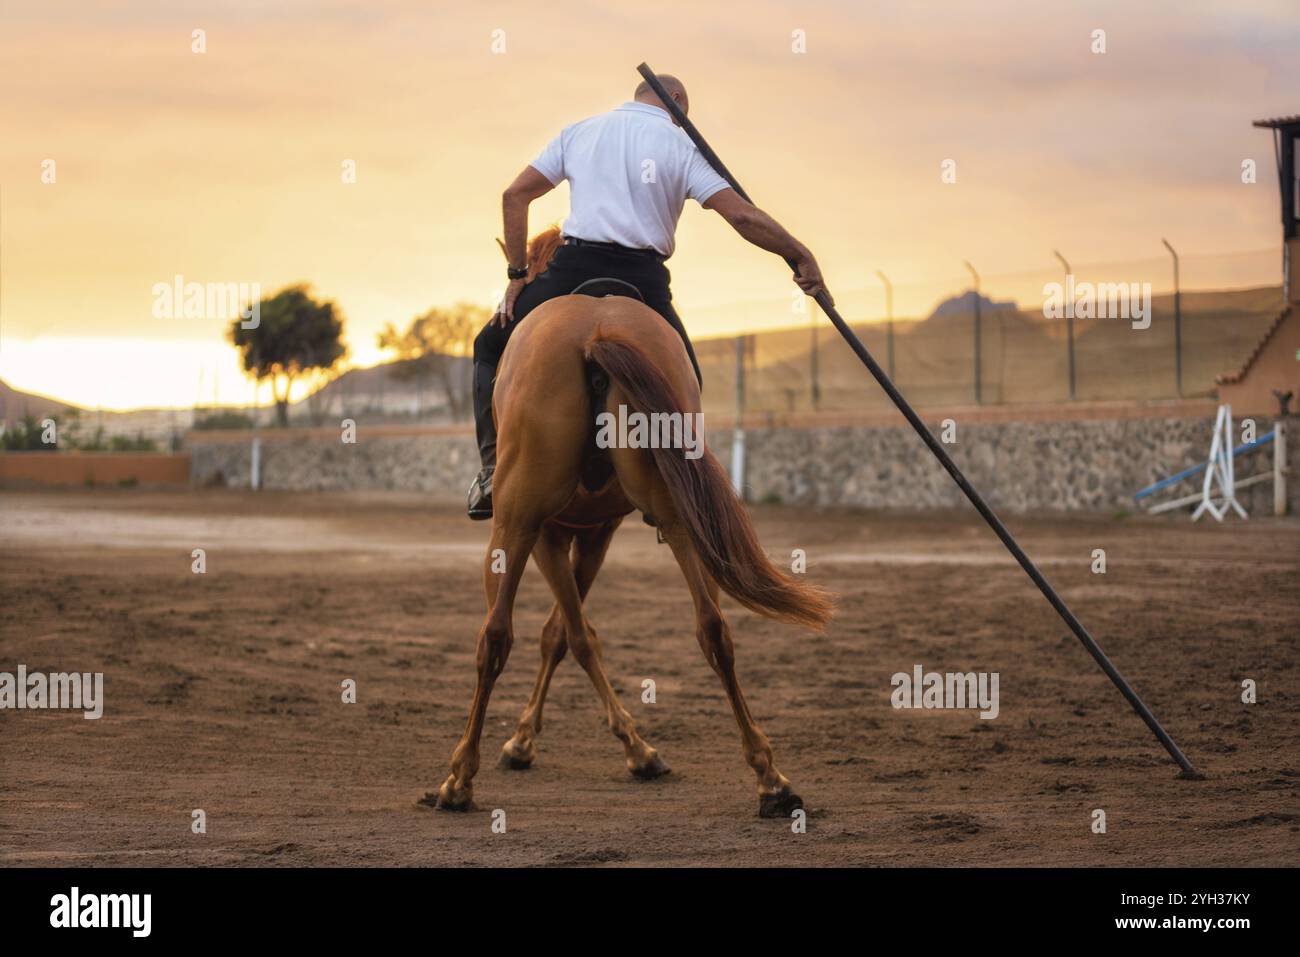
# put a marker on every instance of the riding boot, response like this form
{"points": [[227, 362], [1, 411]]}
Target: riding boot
{"points": [[480, 493]]}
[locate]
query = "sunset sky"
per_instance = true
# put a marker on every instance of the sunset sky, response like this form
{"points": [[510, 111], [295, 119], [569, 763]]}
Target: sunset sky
{"points": [[226, 166]]}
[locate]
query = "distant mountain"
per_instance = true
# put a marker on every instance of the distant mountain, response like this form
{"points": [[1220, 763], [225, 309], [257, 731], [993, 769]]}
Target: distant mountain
{"points": [[15, 405], [385, 378], [964, 305], [382, 389]]}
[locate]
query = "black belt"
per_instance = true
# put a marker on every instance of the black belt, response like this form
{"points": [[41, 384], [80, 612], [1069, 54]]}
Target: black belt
{"points": [[654, 254]]}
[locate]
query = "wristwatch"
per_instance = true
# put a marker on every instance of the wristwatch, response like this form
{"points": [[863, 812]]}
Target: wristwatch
{"points": [[513, 273]]}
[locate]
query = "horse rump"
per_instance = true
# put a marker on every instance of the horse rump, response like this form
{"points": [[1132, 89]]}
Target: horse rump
{"points": [[715, 519]]}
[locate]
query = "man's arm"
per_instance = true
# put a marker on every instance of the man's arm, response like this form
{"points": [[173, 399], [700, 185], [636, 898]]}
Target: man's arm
{"points": [[528, 186], [766, 233]]}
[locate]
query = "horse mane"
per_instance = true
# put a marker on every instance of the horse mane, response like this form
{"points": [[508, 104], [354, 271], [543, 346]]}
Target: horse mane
{"points": [[540, 250]]}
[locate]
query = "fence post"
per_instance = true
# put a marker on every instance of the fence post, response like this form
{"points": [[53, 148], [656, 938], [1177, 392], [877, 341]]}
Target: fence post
{"points": [[738, 433], [813, 357], [977, 331], [255, 457], [1178, 323], [889, 322], [1279, 467], [1069, 324]]}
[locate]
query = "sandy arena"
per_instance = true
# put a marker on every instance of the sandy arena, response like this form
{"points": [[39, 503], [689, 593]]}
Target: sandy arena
{"points": [[223, 692]]}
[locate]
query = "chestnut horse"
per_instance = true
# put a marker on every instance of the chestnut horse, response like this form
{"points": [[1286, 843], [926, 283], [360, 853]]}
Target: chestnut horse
{"points": [[560, 498]]}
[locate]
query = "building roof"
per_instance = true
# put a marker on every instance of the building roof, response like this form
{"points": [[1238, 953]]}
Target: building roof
{"points": [[1278, 123], [1232, 378]]}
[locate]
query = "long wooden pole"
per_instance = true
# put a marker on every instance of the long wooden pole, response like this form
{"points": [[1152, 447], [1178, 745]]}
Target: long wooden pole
{"points": [[939, 453]]}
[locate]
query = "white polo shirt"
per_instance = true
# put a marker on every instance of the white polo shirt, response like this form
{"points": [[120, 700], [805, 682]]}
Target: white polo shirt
{"points": [[630, 171]]}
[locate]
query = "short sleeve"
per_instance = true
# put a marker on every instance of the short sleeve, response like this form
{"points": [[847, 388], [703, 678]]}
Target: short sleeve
{"points": [[550, 161], [702, 181]]}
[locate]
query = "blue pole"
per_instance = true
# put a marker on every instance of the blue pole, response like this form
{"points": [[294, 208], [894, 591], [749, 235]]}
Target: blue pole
{"points": [[1188, 473]]}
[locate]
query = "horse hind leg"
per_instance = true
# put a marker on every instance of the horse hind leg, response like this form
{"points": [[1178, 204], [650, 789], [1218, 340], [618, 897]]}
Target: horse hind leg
{"points": [[589, 548], [643, 761], [515, 541], [775, 796], [520, 751], [541, 432]]}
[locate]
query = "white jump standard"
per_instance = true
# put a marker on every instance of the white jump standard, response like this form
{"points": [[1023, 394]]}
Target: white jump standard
{"points": [[1220, 469]]}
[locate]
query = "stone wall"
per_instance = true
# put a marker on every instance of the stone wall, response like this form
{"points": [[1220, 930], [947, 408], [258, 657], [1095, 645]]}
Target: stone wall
{"points": [[1016, 466], [1048, 465], [441, 464]]}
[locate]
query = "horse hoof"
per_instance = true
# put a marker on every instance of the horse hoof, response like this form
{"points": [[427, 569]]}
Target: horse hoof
{"points": [[450, 798], [781, 804], [510, 762], [654, 768]]}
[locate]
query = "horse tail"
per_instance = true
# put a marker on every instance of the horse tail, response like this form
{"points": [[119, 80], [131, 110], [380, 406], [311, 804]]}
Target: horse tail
{"points": [[715, 519]]}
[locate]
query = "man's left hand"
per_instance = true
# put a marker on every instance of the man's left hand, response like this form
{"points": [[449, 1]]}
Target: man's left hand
{"points": [[505, 313]]}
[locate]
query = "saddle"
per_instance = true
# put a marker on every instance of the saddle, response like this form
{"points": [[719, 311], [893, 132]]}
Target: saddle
{"points": [[604, 286]]}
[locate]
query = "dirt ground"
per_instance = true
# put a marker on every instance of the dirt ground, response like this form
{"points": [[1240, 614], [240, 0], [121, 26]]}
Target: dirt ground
{"points": [[223, 692]]}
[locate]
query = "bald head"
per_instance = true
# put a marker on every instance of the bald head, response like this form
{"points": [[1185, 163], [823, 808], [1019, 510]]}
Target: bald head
{"points": [[673, 86]]}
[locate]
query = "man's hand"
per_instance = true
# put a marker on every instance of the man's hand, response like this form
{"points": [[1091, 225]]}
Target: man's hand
{"points": [[809, 277], [505, 313]]}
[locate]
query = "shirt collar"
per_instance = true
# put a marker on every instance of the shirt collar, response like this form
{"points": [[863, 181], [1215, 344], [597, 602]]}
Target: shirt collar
{"points": [[635, 107]]}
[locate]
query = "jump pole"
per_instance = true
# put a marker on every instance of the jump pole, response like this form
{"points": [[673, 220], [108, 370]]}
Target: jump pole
{"points": [[945, 460]]}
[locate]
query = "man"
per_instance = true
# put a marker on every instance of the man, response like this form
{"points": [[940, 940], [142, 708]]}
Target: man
{"points": [[630, 172]]}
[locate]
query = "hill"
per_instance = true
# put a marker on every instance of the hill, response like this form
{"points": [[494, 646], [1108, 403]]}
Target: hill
{"points": [[15, 405]]}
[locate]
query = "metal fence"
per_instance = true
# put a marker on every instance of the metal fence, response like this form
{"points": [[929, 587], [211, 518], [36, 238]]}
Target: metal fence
{"points": [[1174, 346]]}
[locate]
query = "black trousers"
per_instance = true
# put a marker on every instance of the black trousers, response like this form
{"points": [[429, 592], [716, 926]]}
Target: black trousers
{"points": [[569, 268]]}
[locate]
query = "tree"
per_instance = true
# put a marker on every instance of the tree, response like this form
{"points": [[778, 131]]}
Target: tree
{"points": [[295, 336], [436, 345]]}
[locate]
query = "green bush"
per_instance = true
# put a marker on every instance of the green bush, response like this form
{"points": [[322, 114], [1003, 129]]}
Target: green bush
{"points": [[124, 443], [228, 419]]}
